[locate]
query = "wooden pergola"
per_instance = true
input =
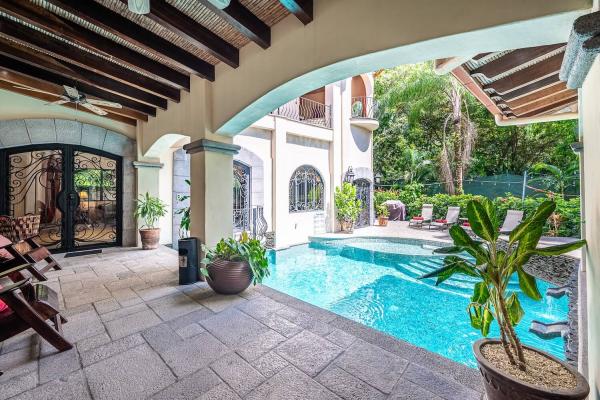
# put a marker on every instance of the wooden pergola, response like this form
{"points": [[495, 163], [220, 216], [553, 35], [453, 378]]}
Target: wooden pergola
{"points": [[139, 61]]}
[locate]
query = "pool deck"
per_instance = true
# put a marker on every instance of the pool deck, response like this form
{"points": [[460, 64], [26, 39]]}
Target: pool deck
{"points": [[140, 335]]}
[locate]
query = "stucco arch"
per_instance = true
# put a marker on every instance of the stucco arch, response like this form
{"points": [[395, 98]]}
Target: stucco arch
{"points": [[353, 37], [164, 142]]}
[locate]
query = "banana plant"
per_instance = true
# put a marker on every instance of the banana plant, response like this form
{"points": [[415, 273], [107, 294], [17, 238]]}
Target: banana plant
{"points": [[494, 265]]}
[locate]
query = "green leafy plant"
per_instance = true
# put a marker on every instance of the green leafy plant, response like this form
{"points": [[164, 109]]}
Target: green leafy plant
{"points": [[150, 209], [494, 264], [184, 224], [382, 211], [244, 249], [348, 207]]}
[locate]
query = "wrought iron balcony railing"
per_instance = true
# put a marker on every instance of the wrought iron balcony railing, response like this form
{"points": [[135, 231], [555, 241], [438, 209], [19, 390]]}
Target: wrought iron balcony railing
{"points": [[307, 111], [364, 107]]}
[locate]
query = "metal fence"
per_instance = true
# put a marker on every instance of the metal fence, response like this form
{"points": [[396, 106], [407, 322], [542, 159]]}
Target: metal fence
{"points": [[364, 107], [307, 111]]}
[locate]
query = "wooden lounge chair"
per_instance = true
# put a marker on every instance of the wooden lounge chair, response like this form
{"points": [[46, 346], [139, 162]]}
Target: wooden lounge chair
{"points": [[512, 220], [11, 257], [424, 218], [23, 232], [451, 219]]}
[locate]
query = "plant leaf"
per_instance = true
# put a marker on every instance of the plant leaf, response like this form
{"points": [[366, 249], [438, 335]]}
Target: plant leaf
{"points": [[486, 321], [480, 221], [480, 293], [528, 284], [559, 249], [515, 311], [538, 219], [491, 212], [475, 317], [461, 238]]}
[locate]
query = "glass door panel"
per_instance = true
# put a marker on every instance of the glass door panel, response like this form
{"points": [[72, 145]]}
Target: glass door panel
{"points": [[96, 211], [34, 185]]}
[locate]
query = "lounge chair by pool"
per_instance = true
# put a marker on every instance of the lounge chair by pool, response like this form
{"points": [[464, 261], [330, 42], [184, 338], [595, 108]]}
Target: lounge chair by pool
{"points": [[424, 218], [451, 219], [512, 220]]}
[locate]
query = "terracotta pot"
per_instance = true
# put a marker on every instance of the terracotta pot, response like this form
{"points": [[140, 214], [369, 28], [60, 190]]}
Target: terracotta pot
{"points": [[501, 386], [150, 238], [383, 221], [229, 277], [347, 226]]}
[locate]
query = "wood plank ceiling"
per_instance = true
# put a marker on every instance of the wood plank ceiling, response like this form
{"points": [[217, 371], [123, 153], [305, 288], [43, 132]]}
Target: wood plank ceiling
{"points": [[139, 61], [521, 83]]}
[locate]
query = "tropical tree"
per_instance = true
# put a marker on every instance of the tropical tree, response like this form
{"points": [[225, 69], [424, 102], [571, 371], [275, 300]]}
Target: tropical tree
{"points": [[557, 177]]}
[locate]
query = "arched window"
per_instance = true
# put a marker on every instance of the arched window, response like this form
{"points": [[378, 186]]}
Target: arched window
{"points": [[306, 190]]}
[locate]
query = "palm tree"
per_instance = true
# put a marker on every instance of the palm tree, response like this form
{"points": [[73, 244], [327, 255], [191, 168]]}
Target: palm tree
{"points": [[417, 166], [557, 177]]}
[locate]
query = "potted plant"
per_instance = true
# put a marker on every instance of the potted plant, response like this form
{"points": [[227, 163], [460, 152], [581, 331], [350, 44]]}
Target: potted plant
{"points": [[382, 214], [150, 209], [234, 264], [347, 206], [510, 369]]}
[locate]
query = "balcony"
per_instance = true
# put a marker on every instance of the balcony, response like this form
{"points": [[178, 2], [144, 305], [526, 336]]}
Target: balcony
{"points": [[307, 111], [364, 113]]}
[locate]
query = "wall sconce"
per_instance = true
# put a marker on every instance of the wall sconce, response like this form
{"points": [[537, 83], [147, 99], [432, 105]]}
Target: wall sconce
{"points": [[349, 177], [377, 178]]}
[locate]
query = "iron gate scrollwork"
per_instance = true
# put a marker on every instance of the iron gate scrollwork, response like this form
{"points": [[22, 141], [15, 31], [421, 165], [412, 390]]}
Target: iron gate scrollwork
{"points": [[241, 197], [363, 193]]}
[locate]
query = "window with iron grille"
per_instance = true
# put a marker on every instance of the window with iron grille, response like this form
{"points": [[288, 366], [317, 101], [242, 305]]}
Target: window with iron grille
{"points": [[306, 190]]}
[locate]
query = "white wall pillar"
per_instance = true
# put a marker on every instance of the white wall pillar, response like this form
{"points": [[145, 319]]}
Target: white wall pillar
{"points": [[333, 97], [211, 201], [280, 180]]}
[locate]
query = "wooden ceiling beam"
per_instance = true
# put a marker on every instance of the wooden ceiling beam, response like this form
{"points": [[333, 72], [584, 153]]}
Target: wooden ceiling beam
{"points": [[302, 9], [115, 23], [46, 97], [181, 24], [514, 59], [39, 73], [45, 43], [546, 102], [554, 106], [44, 19], [537, 85], [76, 75], [538, 94], [244, 21], [527, 75]]}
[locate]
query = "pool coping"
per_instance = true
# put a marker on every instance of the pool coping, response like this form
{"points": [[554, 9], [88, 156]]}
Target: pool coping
{"points": [[445, 367]]}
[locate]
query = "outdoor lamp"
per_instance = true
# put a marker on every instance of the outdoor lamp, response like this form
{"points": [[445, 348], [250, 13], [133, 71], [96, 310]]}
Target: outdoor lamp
{"points": [[139, 6], [377, 178], [349, 175]]}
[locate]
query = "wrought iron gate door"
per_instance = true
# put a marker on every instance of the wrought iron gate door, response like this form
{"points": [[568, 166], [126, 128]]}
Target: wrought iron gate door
{"points": [[241, 197], [363, 193], [75, 190]]}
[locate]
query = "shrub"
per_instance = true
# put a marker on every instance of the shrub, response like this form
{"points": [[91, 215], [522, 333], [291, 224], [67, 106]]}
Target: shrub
{"points": [[347, 205]]}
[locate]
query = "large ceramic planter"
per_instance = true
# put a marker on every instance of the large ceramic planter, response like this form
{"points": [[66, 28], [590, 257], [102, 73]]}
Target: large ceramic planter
{"points": [[229, 277], [347, 226], [150, 238], [501, 386], [383, 221]]}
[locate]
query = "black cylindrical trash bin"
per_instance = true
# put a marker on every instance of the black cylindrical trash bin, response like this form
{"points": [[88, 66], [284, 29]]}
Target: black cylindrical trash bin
{"points": [[188, 260]]}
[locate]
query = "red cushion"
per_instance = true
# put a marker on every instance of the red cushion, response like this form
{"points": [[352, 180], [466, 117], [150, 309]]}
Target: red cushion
{"points": [[419, 218], [3, 306], [466, 224], [441, 221]]}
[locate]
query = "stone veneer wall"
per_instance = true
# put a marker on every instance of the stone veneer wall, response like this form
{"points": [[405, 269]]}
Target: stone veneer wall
{"points": [[23, 132]]}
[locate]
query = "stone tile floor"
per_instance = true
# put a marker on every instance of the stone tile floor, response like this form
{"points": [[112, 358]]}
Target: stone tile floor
{"points": [[139, 335]]}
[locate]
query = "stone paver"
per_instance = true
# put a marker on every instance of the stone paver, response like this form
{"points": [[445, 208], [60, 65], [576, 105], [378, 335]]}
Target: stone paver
{"points": [[138, 334]]}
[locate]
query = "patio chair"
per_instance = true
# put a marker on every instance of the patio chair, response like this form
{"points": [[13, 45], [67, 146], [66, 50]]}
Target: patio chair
{"points": [[10, 257], [23, 232], [512, 220], [451, 219], [424, 218], [21, 312]]}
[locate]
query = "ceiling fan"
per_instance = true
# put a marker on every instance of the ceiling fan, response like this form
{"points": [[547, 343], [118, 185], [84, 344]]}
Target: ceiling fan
{"points": [[72, 95]]}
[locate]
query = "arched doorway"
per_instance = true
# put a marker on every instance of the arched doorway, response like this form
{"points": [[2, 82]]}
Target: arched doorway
{"points": [[363, 193], [76, 191], [241, 196]]}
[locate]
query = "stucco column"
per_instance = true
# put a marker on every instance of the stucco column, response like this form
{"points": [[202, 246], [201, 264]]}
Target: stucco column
{"points": [[211, 201], [280, 183], [334, 99], [148, 180]]}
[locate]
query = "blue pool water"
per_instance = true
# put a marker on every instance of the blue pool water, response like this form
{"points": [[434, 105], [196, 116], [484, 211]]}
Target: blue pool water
{"points": [[374, 281]]}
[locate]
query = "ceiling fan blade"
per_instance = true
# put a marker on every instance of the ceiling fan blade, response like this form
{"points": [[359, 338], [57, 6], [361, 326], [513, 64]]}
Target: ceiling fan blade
{"points": [[71, 92], [93, 108], [58, 102], [31, 89], [104, 103]]}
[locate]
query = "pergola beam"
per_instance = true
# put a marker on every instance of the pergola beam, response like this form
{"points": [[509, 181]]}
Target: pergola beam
{"points": [[302, 9], [45, 43], [550, 101], [551, 107], [514, 59], [244, 21], [176, 21], [118, 25], [44, 19], [28, 59], [537, 85], [538, 94]]}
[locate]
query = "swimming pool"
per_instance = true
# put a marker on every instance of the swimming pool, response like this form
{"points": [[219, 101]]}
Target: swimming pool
{"points": [[374, 282]]}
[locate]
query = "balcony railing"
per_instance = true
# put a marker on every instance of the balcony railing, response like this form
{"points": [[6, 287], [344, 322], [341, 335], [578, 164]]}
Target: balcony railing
{"points": [[364, 107], [307, 111]]}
